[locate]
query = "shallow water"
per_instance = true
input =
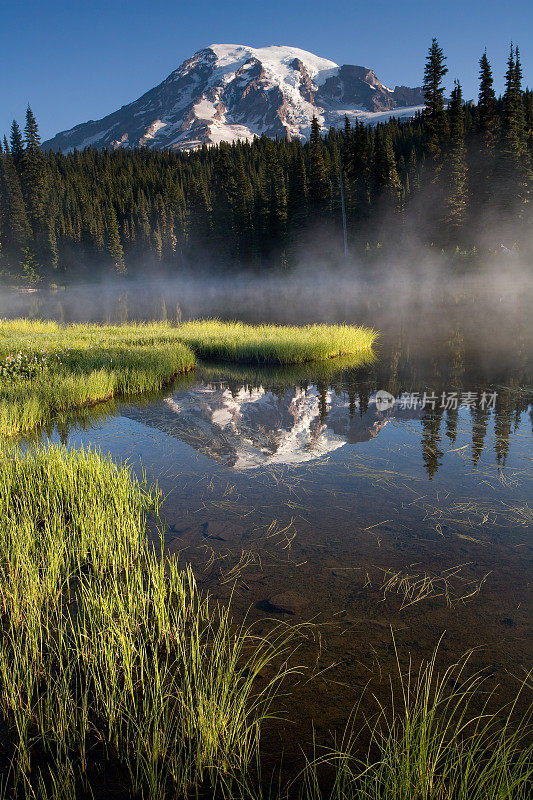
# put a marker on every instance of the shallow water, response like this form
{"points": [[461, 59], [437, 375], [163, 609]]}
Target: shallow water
{"points": [[292, 491]]}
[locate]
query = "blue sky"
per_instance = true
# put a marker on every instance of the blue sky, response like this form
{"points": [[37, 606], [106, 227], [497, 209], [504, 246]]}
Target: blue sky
{"points": [[74, 61]]}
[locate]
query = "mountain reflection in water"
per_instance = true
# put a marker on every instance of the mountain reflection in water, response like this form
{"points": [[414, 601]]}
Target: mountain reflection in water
{"points": [[251, 426]]}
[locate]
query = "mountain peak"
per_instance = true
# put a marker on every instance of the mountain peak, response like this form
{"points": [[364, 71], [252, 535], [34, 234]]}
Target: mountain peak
{"points": [[273, 54], [231, 91]]}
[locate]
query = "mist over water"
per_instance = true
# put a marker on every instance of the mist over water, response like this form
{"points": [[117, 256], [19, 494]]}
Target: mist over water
{"points": [[380, 290], [418, 305]]}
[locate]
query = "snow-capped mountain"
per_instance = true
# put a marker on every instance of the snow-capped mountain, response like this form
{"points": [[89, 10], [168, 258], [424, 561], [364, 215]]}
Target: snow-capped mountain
{"points": [[227, 92]]}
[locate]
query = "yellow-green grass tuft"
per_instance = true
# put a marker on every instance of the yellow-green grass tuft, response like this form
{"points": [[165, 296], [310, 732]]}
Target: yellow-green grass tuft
{"points": [[106, 648], [213, 339], [47, 368]]}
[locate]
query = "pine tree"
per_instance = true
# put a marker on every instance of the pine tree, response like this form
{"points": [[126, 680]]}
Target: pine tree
{"points": [[35, 190], [18, 234], [528, 110], [413, 173], [456, 166], [435, 120], [33, 172], [483, 155], [278, 201], [223, 206], [114, 245], [298, 192], [199, 226], [486, 116], [17, 144], [318, 178], [243, 210], [514, 166], [347, 130], [387, 182], [357, 164]]}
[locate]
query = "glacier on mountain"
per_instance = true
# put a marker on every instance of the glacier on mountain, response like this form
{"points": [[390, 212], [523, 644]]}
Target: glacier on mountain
{"points": [[227, 92]]}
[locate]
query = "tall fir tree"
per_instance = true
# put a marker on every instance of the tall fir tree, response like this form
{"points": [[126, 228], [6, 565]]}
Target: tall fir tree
{"points": [[17, 235], [34, 187], [484, 144], [457, 191], [113, 243], [298, 193], [357, 165], [17, 144], [435, 119], [243, 211], [387, 182], [278, 200], [224, 203], [199, 206], [528, 110], [514, 173], [33, 172], [318, 177], [486, 115]]}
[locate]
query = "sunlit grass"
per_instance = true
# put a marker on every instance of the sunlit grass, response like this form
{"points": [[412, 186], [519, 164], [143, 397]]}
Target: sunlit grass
{"points": [[274, 344], [442, 736], [108, 652], [106, 648], [47, 368], [78, 365]]}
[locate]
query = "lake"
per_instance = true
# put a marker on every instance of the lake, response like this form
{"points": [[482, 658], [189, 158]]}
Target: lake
{"points": [[389, 503]]}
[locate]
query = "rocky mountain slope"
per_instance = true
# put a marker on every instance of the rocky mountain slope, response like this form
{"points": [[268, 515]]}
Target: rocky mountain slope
{"points": [[227, 92]]}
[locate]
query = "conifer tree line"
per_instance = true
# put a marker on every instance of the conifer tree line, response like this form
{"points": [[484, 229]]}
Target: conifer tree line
{"points": [[456, 176]]}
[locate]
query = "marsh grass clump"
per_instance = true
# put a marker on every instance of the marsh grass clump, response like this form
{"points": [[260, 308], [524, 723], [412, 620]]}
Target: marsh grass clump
{"points": [[108, 653], [48, 369], [273, 344], [441, 737]]}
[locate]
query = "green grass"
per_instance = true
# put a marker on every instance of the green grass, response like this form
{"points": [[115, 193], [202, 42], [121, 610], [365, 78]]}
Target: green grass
{"points": [[108, 653], [67, 367], [273, 344], [441, 737], [47, 369]]}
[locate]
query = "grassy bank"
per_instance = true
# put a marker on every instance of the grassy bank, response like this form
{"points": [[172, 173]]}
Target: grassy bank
{"points": [[47, 368], [108, 655]]}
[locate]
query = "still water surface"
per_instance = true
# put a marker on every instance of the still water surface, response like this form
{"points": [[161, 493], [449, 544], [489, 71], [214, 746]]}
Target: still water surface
{"points": [[293, 491]]}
